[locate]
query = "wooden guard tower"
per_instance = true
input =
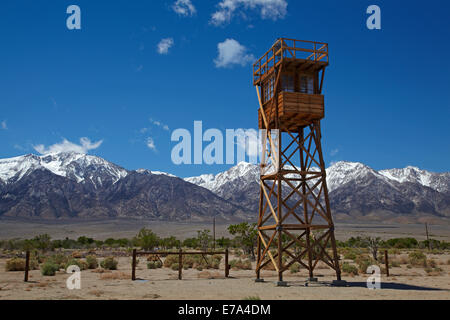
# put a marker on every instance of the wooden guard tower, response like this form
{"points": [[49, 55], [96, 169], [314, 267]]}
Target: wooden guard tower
{"points": [[294, 223]]}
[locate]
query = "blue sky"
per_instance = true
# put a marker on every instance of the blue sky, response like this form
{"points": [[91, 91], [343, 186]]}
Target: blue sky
{"points": [[387, 91]]}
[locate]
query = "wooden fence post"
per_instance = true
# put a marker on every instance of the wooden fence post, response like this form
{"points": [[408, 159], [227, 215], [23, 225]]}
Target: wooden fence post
{"points": [[133, 266], [386, 261], [227, 270], [27, 265], [180, 264]]}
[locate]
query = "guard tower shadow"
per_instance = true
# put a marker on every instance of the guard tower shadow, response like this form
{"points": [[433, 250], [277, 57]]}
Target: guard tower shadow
{"points": [[395, 286]]}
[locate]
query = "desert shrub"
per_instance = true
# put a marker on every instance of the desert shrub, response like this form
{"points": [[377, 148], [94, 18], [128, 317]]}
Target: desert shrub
{"points": [[433, 271], [77, 255], [431, 263], [92, 262], [59, 259], [15, 264], [394, 263], [153, 257], [403, 259], [394, 251], [350, 255], [109, 263], [76, 262], [364, 262], [294, 268], [417, 259], [49, 268], [402, 243], [349, 268], [199, 268], [240, 264], [154, 264], [170, 259], [175, 266]]}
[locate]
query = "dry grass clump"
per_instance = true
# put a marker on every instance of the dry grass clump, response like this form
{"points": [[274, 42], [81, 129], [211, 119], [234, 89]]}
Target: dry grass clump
{"points": [[153, 257], [77, 255], [115, 276], [18, 264], [100, 270], [436, 271], [209, 275], [39, 285], [322, 265], [15, 264], [195, 261], [96, 293]]}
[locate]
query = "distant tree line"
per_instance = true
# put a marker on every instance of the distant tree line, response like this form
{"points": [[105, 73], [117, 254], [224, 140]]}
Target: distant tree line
{"points": [[244, 238]]}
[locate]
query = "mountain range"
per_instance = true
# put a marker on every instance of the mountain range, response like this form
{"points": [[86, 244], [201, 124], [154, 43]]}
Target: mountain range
{"points": [[72, 185]]}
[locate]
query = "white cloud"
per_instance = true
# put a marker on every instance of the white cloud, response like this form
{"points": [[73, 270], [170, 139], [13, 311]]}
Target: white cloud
{"points": [[159, 124], [184, 8], [248, 140], [164, 45], [231, 53], [269, 9], [151, 144], [334, 152], [3, 125], [67, 146]]}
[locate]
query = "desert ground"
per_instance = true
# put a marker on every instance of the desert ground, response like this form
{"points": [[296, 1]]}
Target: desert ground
{"points": [[405, 281], [162, 283]]}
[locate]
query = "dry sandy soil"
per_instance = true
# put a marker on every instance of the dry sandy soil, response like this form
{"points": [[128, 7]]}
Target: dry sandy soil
{"points": [[162, 283]]}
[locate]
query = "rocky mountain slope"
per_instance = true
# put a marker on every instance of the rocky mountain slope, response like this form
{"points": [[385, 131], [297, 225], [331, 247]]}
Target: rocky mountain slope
{"points": [[72, 185]]}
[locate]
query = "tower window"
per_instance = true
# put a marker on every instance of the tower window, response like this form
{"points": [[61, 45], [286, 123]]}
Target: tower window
{"points": [[268, 88], [287, 83], [306, 84]]}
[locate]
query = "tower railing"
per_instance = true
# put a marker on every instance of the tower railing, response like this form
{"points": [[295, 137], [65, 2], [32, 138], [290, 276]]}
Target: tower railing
{"points": [[285, 48]]}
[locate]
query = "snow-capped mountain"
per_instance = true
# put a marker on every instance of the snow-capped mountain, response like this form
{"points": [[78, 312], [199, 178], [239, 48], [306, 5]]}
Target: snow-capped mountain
{"points": [[73, 185], [437, 181], [338, 174], [78, 167], [242, 173], [354, 188]]}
